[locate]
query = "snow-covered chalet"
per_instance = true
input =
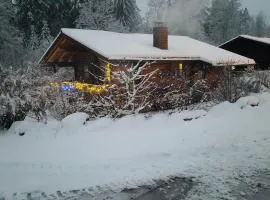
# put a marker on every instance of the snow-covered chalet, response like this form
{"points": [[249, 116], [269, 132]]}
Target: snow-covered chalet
{"points": [[89, 51]]}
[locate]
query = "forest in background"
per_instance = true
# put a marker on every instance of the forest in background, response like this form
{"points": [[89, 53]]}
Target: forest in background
{"points": [[28, 26]]}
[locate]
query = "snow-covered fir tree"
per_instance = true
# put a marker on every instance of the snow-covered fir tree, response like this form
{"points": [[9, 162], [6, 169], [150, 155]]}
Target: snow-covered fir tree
{"points": [[225, 19], [33, 40], [95, 14], [260, 25], [45, 36], [98, 15], [63, 13], [9, 40], [57, 14], [246, 22], [127, 12], [30, 13]]}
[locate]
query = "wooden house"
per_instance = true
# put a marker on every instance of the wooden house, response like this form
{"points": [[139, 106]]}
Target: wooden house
{"points": [[256, 48], [89, 51]]}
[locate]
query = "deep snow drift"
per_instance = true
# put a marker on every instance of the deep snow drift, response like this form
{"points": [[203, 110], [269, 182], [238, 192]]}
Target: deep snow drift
{"points": [[217, 147]]}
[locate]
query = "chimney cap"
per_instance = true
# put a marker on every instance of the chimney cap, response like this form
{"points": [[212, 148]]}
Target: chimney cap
{"points": [[159, 24]]}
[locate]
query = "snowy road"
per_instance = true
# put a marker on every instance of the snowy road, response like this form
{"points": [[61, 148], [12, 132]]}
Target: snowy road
{"points": [[221, 150]]}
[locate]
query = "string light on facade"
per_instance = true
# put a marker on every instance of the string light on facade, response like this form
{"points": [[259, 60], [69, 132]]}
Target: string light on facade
{"points": [[82, 87]]}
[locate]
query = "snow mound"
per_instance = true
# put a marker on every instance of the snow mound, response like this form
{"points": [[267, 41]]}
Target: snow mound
{"points": [[31, 126], [248, 101], [264, 98], [73, 122], [224, 109], [188, 115], [20, 128]]}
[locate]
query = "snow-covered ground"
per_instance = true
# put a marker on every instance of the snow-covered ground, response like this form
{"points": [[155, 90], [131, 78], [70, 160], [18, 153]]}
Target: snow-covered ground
{"points": [[218, 148]]}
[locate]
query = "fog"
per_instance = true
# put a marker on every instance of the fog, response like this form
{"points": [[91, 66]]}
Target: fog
{"points": [[254, 6]]}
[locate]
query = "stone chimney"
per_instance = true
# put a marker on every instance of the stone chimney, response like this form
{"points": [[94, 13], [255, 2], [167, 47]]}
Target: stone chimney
{"points": [[160, 35]]}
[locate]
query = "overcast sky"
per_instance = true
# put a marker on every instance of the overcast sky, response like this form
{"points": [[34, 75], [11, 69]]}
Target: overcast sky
{"points": [[254, 6]]}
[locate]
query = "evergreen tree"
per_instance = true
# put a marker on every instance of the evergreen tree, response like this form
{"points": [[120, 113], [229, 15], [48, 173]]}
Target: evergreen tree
{"points": [[246, 22], [57, 14], [95, 14], [45, 32], [260, 25], [127, 12], [9, 40], [63, 13], [226, 19], [98, 15], [30, 13], [268, 31], [215, 24], [33, 40], [45, 38], [234, 13]]}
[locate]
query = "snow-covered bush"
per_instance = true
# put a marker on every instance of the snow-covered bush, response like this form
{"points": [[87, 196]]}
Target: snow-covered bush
{"points": [[239, 84], [27, 92], [130, 96], [61, 103], [178, 93], [24, 91], [200, 91], [169, 94], [263, 77], [18, 93], [141, 90]]}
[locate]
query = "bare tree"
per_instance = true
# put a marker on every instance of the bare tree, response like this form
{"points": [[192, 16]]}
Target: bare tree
{"points": [[130, 95]]}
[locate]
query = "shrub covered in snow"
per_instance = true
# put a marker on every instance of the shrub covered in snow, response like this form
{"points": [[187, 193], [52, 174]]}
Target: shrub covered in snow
{"points": [[239, 84], [27, 92], [19, 93]]}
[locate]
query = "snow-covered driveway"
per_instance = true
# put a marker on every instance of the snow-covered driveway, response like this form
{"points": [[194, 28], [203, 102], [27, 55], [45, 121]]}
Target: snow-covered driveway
{"points": [[231, 141]]}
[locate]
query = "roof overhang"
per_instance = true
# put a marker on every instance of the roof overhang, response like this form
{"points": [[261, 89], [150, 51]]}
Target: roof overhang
{"points": [[67, 54]]}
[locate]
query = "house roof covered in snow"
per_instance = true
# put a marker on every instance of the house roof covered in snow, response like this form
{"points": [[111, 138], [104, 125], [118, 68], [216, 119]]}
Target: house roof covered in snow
{"points": [[264, 40], [256, 48], [127, 46], [258, 39]]}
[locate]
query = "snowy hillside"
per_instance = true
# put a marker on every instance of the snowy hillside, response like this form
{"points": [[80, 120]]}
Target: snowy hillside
{"points": [[219, 145]]}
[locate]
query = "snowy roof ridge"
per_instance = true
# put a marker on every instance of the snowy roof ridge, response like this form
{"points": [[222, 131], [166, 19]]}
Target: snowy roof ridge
{"points": [[136, 46], [45, 53], [265, 40], [229, 41]]}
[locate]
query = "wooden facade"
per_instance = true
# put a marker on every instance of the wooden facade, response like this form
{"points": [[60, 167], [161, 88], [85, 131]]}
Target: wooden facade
{"points": [[69, 53]]}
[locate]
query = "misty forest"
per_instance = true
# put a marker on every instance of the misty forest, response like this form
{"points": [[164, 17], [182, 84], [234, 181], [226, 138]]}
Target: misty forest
{"points": [[28, 27]]}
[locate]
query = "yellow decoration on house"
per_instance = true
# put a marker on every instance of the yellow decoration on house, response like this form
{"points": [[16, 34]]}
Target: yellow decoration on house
{"points": [[108, 73], [180, 66], [53, 84], [82, 87]]}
